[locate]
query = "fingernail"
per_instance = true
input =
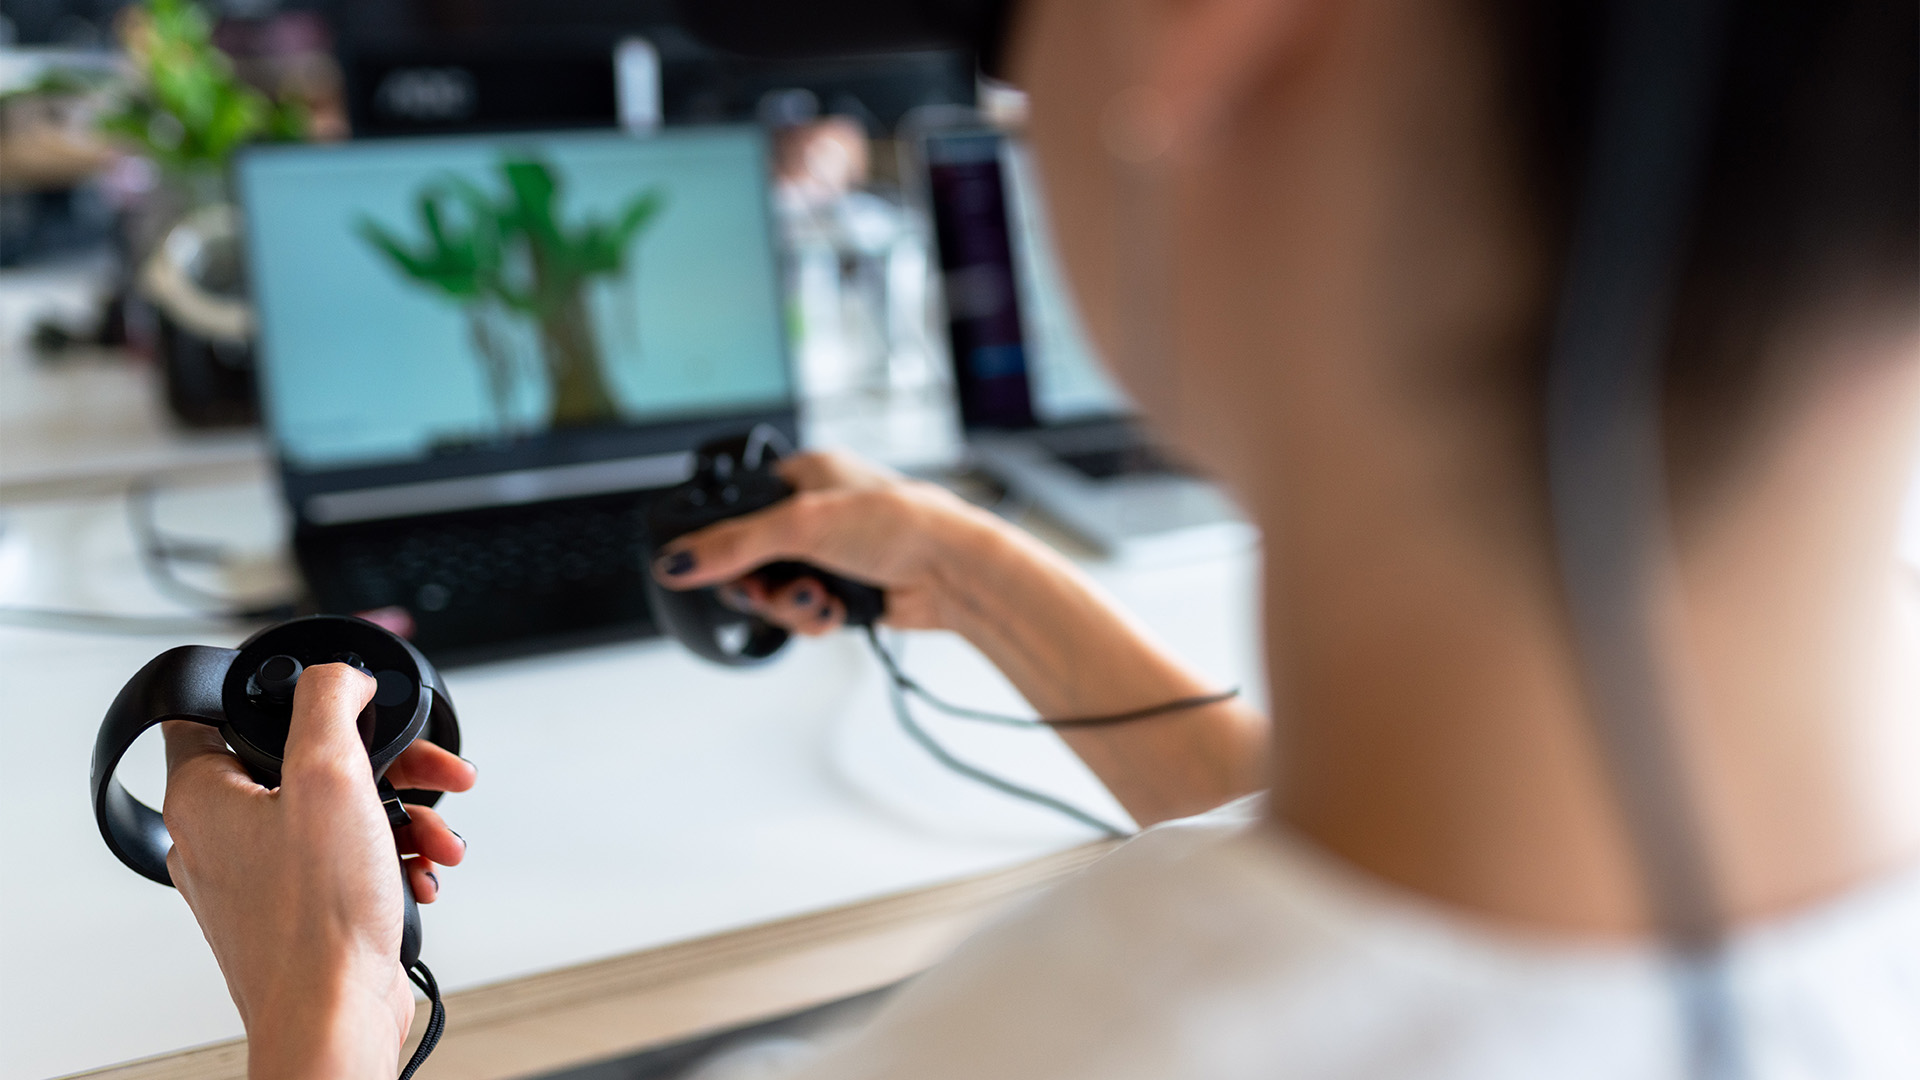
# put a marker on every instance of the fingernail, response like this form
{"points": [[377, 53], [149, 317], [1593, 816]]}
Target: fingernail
{"points": [[804, 597], [677, 563], [435, 878], [462, 839], [471, 765], [826, 612]]}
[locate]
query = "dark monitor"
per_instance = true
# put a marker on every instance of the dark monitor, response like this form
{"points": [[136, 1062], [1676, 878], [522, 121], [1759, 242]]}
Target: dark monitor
{"points": [[1020, 356], [448, 88], [423, 67]]}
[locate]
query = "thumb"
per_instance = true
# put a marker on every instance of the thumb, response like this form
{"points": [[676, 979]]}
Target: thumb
{"points": [[325, 734]]}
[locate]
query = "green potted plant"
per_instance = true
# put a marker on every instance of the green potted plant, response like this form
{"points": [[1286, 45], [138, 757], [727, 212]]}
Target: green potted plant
{"points": [[184, 109]]}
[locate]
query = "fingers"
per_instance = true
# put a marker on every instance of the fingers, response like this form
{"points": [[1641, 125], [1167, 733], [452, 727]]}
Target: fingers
{"points": [[829, 616], [426, 845], [191, 744], [202, 777], [732, 548], [324, 738], [423, 878], [790, 529], [803, 606], [429, 837], [431, 768]]}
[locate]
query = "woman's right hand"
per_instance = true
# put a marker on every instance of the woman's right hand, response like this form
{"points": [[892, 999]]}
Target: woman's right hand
{"points": [[914, 539], [949, 565]]}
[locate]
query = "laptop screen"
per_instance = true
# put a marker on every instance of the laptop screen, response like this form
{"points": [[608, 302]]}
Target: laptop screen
{"points": [[440, 308], [1021, 357]]}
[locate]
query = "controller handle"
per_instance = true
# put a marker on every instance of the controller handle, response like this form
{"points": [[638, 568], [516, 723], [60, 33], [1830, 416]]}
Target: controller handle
{"points": [[410, 934]]}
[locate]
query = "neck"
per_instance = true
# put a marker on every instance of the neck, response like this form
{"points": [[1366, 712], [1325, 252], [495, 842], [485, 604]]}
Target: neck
{"points": [[1429, 724]]}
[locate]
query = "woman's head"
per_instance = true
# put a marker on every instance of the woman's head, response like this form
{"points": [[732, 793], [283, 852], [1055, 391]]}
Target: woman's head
{"points": [[1322, 241], [1351, 216]]}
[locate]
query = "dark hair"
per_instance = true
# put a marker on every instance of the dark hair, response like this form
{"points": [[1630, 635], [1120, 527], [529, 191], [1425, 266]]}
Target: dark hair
{"points": [[1810, 203]]}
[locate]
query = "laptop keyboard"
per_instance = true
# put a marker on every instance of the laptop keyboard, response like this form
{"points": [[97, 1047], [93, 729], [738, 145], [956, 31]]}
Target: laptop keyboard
{"points": [[465, 558], [430, 565], [495, 575]]}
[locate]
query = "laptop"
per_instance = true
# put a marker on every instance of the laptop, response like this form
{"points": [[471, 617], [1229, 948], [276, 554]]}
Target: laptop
{"points": [[479, 356], [1041, 416]]}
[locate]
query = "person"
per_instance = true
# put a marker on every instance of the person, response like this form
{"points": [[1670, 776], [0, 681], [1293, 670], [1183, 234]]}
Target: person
{"points": [[1349, 217]]}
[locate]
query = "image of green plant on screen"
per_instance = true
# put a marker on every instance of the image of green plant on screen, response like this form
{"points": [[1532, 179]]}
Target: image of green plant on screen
{"points": [[508, 256], [428, 298]]}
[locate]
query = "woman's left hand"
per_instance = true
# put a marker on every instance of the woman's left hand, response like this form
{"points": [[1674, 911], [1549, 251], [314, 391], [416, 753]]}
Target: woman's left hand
{"points": [[297, 888]]}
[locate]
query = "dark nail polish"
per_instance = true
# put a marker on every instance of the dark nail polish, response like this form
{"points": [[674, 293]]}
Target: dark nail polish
{"points": [[804, 598], [435, 878], [462, 839], [677, 563], [826, 612]]}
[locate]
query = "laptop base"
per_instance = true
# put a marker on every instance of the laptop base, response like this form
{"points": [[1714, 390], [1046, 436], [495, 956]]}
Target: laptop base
{"points": [[1105, 483], [496, 583]]}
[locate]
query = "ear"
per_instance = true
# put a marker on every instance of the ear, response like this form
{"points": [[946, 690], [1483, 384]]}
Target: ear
{"points": [[1200, 59]]}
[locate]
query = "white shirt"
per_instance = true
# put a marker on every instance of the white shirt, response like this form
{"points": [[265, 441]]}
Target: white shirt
{"points": [[1207, 949]]}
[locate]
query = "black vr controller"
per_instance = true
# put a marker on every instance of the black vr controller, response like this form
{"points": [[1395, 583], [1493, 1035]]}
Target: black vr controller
{"points": [[248, 694], [733, 477]]}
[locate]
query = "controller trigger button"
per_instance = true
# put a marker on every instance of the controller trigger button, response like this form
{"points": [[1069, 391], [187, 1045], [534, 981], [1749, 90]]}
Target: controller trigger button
{"points": [[397, 816]]}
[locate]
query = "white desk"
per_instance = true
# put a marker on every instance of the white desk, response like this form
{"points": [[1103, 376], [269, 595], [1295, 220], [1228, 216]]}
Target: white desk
{"points": [[630, 796]]}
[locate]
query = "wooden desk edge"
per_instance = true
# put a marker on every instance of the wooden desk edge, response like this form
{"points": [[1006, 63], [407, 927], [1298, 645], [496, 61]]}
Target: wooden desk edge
{"points": [[660, 996]]}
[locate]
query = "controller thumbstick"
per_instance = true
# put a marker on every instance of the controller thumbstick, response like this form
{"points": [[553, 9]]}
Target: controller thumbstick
{"points": [[277, 677]]}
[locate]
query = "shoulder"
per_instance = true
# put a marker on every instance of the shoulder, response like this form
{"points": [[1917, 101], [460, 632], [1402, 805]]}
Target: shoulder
{"points": [[1219, 948], [1203, 948]]}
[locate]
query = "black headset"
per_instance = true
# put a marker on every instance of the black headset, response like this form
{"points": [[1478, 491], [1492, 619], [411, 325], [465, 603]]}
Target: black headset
{"points": [[1605, 462]]}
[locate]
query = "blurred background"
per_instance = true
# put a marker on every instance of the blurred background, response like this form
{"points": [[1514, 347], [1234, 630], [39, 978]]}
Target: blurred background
{"points": [[118, 123]]}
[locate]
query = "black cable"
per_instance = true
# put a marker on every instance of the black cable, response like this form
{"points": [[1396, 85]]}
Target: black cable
{"points": [[907, 683], [158, 553], [436, 1021], [903, 713], [939, 753]]}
